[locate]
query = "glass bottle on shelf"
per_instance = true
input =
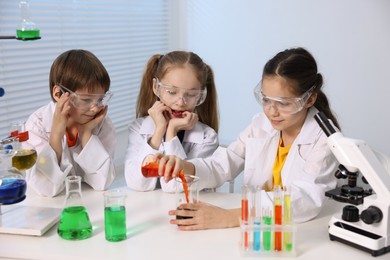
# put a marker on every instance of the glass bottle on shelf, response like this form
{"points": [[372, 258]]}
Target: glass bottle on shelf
{"points": [[74, 223], [27, 29]]}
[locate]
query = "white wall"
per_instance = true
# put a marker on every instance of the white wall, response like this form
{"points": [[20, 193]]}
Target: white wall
{"points": [[350, 40]]}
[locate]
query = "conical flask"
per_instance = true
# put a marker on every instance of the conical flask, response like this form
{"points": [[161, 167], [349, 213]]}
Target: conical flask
{"points": [[27, 29], [74, 223]]}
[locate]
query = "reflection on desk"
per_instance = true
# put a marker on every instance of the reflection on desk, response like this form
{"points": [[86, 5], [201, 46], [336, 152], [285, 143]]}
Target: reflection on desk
{"points": [[150, 236]]}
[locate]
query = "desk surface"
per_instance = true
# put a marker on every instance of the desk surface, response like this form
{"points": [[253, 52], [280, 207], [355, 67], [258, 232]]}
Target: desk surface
{"points": [[150, 236]]}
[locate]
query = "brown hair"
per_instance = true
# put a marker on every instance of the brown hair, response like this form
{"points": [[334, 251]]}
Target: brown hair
{"points": [[159, 65], [299, 66], [78, 69]]}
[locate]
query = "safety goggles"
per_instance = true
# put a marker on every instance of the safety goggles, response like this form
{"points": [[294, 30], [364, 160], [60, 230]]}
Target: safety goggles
{"points": [[282, 105], [172, 94], [86, 101]]}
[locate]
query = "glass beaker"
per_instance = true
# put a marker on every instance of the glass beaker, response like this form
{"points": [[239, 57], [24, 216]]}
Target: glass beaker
{"points": [[74, 223], [115, 215], [27, 29], [186, 191], [24, 159], [12, 183]]}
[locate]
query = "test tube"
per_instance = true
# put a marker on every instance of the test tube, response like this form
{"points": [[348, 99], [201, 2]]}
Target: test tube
{"points": [[257, 220], [245, 215], [267, 221], [278, 216], [287, 241]]}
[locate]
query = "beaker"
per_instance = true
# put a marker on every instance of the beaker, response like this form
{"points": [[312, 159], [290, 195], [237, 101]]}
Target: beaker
{"points": [[186, 191], [74, 223], [115, 215]]}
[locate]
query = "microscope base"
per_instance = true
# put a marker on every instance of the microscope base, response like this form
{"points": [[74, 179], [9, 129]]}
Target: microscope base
{"points": [[358, 238]]}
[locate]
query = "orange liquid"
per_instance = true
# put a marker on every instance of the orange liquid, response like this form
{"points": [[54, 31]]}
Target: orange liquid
{"points": [[150, 170], [278, 221], [244, 218]]}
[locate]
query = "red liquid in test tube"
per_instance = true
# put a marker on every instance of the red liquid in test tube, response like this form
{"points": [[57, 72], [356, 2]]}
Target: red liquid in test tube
{"points": [[278, 216], [244, 214]]}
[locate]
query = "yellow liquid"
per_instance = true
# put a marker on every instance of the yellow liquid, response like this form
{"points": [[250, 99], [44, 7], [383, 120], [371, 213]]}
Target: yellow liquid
{"points": [[24, 159]]}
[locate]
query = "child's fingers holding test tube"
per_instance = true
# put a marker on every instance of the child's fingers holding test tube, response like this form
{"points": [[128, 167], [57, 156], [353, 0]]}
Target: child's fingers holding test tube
{"points": [[170, 166]]}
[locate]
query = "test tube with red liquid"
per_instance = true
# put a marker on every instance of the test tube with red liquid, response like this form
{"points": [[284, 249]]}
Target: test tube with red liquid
{"points": [[245, 214], [278, 216]]}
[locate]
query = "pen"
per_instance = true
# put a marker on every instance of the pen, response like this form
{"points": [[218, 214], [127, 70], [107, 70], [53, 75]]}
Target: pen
{"points": [[287, 219], [278, 217], [257, 219]]}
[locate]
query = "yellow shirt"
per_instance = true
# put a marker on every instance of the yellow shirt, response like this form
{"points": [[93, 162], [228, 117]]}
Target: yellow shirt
{"points": [[279, 163]]}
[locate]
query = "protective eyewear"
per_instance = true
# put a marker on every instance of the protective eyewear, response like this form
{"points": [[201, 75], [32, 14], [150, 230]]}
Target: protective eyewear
{"points": [[282, 105], [172, 94], [86, 101]]}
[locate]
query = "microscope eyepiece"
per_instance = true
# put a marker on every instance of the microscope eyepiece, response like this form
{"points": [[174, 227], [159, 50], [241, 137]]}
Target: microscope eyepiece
{"points": [[325, 123]]}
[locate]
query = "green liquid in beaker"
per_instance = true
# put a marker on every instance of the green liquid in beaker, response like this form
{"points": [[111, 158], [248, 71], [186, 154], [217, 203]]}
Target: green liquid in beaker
{"points": [[74, 224], [115, 223], [27, 34]]}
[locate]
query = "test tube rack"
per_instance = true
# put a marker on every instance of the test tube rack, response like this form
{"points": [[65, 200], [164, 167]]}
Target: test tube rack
{"points": [[259, 240], [266, 231]]}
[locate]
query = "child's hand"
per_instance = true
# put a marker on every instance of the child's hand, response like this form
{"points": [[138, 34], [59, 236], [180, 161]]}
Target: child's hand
{"points": [[159, 112], [187, 122], [61, 116], [85, 130], [58, 127], [170, 166]]}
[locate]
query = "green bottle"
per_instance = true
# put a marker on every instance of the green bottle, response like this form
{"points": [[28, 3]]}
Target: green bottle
{"points": [[74, 223]]}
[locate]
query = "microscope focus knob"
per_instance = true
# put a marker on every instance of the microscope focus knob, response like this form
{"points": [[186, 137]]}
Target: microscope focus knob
{"points": [[350, 213], [371, 215]]}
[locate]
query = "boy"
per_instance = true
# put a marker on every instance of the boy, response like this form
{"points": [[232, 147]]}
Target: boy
{"points": [[72, 134]]}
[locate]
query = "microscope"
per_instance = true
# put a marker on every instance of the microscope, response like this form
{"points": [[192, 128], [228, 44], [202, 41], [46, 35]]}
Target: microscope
{"points": [[366, 223]]}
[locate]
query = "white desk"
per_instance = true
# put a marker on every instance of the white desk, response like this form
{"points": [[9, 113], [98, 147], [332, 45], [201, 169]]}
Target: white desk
{"points": [[150, 236]]}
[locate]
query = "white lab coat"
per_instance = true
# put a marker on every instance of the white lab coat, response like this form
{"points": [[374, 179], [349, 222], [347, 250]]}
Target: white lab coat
{"points": [[94, 163], [199, 142], [308, 169]]}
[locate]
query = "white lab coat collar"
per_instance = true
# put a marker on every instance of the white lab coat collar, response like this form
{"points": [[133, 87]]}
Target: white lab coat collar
{"points": [[308, 126], [195, 135]]}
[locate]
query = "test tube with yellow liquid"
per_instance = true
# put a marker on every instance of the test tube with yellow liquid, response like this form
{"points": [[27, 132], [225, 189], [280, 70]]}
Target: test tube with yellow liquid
{"points": [[287, 236]]}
